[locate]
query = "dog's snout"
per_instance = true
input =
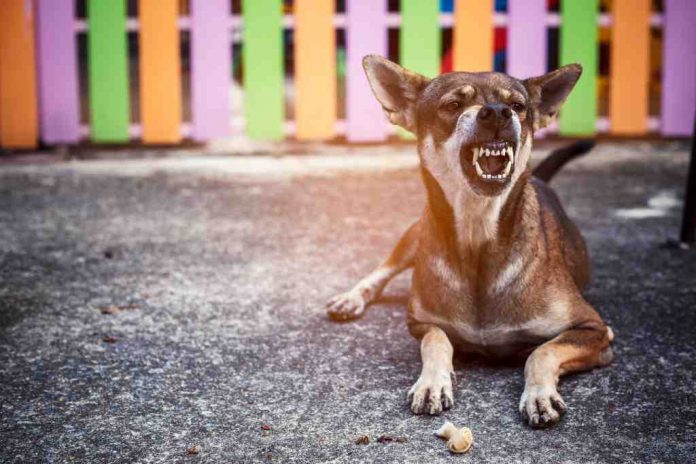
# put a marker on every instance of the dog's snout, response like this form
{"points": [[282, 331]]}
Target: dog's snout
{"points": [[494, 116]]}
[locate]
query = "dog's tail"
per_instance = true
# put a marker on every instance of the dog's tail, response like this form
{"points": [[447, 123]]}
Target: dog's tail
{"points": [[558, 158]]}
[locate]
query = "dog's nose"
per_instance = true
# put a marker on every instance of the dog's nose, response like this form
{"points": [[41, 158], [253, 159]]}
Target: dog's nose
{"points": [[494, 115]]}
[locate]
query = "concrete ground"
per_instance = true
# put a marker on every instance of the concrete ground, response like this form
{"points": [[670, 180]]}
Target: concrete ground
{"points": [[219, 267]]}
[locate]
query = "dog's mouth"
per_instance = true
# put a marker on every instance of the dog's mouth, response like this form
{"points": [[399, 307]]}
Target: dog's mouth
{"points": [[492, 161]]}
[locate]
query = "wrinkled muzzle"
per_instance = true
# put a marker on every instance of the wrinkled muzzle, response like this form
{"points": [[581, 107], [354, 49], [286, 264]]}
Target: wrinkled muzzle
{"points": [[489, 149]]}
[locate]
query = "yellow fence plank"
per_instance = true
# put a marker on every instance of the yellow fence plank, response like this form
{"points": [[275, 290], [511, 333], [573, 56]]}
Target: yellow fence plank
{"points": [[19, 124], [160, 71], [315, 69], [473, 35], [630, 62]]}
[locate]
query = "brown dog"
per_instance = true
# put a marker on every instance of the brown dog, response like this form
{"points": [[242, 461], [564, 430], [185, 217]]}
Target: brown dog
{"points": [[498, 266]]}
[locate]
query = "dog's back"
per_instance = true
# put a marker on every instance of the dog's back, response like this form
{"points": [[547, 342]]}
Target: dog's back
{"points": [[574, 250]]}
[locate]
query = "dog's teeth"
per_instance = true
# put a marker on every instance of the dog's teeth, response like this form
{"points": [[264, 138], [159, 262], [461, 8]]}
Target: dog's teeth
{"points": [[476, 155], [479, 171], [507, 168]]}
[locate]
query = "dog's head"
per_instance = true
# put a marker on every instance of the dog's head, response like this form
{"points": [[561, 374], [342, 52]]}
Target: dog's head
{"points": [[477, 127]]}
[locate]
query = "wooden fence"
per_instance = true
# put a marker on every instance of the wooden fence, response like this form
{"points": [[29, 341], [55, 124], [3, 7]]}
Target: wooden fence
{"points": [[40, 95]]}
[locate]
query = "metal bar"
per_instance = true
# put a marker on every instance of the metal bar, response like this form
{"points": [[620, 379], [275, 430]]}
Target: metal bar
{"points": [[688, 231]]}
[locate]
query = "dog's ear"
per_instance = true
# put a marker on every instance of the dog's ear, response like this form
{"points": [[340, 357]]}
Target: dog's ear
{"points": [[548, 92], [396, 89]]}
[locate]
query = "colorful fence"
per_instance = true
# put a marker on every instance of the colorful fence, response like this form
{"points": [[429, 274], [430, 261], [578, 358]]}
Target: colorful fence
{"points": [[40, 96]]}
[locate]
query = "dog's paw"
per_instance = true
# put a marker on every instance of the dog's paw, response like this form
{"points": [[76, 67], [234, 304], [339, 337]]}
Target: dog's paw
{"points": [[432, 394], [541, 406], [346, 306]]}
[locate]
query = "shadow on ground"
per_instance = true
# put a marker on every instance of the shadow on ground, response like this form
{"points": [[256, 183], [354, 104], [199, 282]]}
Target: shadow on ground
{"points": [[222, 278]]}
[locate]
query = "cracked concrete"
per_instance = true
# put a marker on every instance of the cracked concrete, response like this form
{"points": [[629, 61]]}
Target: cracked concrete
{"points": [[227, 269]]}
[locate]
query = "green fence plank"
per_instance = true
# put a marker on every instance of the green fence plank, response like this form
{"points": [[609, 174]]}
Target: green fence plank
{"points": [[262, 56], [420, 39], [419, 36], [579, 44], [108, 70]]}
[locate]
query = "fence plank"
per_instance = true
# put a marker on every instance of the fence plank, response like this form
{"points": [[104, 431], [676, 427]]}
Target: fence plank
{"points": [[419, 37], [108, 70], [263, 69], [315, 70], [366, 33], [160, 71], [679, 68], [57, 66], [420, 41], [211, 71], [526, 44], [473, 35], [18, 99], [630, 63], [578, 44]]}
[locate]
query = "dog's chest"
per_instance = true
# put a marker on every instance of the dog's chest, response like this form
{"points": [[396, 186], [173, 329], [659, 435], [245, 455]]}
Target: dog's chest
{"points": [[488, 314]]}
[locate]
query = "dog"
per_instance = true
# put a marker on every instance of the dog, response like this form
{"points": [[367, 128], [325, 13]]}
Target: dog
{"points": [[498, 267]]}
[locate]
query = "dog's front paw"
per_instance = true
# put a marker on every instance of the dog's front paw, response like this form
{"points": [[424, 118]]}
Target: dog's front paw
{"points": [[346, 306], [541, 406], [432, 393]]}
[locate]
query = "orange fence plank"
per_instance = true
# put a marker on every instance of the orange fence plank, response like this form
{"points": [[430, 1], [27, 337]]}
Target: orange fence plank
{"points": [[19, 126], [473, 35], [630, 62], [160, 71], [315, 69]]}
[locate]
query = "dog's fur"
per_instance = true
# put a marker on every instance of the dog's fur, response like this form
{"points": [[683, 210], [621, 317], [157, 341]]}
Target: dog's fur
{"points": [[498, 266]]}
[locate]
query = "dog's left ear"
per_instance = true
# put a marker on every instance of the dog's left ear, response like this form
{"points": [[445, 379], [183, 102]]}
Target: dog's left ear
{"points": [[548, 92]]}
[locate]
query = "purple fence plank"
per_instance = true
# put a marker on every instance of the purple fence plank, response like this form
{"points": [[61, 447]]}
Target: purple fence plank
{"points": [[679, 68], [366, 33], [211, 74], [526, 49], [57, 68]]}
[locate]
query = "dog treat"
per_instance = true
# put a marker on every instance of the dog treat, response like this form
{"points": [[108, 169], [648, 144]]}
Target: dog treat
{"points": [[458, 440]]}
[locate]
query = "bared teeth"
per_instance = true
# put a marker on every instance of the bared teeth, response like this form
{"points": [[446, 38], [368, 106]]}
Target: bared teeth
{"points": [[480, 151]]}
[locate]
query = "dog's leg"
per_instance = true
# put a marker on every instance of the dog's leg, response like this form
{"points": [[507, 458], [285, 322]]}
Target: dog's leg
{"points": [[581, 348], [352, 304], [432, 392]]}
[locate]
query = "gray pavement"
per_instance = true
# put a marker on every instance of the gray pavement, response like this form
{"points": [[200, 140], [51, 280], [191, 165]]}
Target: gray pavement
{"points": [[221, 267]]}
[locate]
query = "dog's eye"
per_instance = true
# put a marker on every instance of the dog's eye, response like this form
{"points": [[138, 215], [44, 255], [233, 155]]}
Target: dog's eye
{"points": [[518, 107], [453, 106]]}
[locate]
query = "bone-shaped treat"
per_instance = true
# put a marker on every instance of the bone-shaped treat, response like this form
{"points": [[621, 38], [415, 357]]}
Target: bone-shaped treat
{"points": [[458, 440]]}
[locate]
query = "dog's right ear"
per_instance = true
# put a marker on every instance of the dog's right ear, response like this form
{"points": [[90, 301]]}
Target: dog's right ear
{"points": [[396, 89]]}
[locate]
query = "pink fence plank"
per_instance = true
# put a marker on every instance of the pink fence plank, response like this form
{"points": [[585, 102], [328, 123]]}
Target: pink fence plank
{"points": [[679, 68], [57, 69], [366, 33], [211, 73], [526, 49]]}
